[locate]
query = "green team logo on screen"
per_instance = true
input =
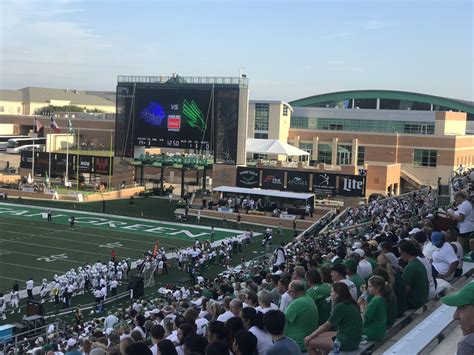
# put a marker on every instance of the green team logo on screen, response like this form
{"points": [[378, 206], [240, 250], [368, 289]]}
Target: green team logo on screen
{"points": [[193, 115]]}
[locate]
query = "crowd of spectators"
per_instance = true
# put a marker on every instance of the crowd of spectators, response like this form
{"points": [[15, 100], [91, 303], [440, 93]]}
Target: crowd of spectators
{"points": [[328, 291]]}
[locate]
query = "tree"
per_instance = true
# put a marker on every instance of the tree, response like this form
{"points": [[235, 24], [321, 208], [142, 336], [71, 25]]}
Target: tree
{"points": [[46, 110]]}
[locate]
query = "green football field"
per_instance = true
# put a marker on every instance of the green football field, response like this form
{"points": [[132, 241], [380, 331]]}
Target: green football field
{"points": [[33, 247]]}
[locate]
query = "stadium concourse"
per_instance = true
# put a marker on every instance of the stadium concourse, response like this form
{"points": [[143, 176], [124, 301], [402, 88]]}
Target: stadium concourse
{"points": [[351, 284]]}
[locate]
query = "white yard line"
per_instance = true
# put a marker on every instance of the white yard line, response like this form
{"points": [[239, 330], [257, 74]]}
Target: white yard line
{"points": [[33, 267], [69, 240], [41, 256], [103, 236], [52, 247], [180, 225]]}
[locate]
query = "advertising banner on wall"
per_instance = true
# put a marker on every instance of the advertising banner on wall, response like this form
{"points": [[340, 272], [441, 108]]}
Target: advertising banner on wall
{"points": [[297, 181], [273, 179], [248, 177], [324, 184], [352, 185], [102, 165], [87, 163]]}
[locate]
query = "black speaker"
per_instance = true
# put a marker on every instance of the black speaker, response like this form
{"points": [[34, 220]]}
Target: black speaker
{"points": [[33, 322], [34, 308], [137, 285]]}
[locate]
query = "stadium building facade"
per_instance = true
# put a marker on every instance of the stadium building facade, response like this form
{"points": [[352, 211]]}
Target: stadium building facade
{"points": [[396, 138]]}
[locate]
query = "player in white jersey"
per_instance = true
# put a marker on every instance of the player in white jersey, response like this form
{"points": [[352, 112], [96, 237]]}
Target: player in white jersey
{"points": [[15, 301], [3, 306], [44, 291]]}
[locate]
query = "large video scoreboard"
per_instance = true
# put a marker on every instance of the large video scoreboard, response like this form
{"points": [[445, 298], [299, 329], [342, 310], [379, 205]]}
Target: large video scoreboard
{"points": [[178, 114]]}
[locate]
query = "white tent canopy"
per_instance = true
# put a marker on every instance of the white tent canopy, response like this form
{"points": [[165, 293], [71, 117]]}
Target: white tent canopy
{"points": [[272, 146]]}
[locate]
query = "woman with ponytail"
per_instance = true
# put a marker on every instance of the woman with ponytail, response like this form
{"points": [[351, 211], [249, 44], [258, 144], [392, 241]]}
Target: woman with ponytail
{"points": [[345, 317], [375, 312]]}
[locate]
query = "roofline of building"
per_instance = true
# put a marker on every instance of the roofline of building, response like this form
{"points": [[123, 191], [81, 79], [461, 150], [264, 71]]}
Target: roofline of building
{"points": [[462, 105]]}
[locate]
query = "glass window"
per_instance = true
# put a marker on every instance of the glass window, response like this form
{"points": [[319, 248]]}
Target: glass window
{"points": [[389, 104], [324, 153], [2, 108], [299, 122], [260, 135], [361, 155], [425, 157], [344, 154], [261, 116], [285, 110], [365, 103], [421, 106], [307, 147]]}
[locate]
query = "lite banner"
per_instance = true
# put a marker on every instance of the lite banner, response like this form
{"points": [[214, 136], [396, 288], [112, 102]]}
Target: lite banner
{"points": [[248, 177], [352, 185]]}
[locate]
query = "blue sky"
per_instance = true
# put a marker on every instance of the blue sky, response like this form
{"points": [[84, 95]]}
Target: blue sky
{"points": [[288, 49]]}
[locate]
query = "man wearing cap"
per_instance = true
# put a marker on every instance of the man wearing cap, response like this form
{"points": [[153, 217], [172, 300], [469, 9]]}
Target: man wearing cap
{"points": [[445, 260], [351, 269], [338, 274], [464, 301]]}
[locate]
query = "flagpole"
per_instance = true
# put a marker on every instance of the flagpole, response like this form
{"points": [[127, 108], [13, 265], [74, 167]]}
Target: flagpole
{"points": [[78, 164], [49, 160], [33, 161], [110, 161], [67, 159]]}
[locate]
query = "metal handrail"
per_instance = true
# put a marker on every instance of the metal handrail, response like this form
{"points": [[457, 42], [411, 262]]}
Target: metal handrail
{"points": [[58, 325]]}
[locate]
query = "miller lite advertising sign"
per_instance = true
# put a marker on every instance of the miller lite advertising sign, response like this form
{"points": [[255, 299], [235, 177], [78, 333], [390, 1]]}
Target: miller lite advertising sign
{"points": [[352, 185]]}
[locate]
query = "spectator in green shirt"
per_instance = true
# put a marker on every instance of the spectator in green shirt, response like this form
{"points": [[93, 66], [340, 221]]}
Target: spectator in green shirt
{"points": [[301, 314], [375, 311], [345, 317], [320, 292], [392, 305], [415, 276]]}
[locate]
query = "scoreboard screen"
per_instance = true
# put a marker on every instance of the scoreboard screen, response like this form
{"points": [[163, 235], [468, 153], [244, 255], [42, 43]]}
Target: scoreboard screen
{"points": [[173, 117]]}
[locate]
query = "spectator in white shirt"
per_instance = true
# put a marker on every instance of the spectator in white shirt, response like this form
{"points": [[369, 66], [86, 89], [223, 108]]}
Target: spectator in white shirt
{"points": [[426, 246], [253, 323], [285, 296], [445, 260], [338, 274], [157, 334], [464, 215], [265, 299], [233, 308], [364, 268], [251, 300]]}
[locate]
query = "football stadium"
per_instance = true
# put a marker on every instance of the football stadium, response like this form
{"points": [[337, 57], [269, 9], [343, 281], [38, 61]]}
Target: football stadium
{"points": [[188, 223]]}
